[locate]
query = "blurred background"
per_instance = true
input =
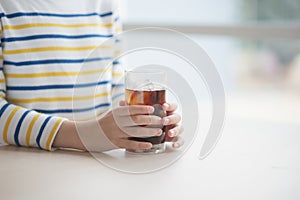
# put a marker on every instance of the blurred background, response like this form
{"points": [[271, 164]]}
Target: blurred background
{"points": [[255, 45]]}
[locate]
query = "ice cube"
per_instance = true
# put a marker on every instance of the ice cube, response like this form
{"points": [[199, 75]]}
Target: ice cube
{"points": [[150, 86]]}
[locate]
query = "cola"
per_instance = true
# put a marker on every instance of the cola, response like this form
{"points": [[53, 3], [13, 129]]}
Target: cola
{"points": [[152, 97]]}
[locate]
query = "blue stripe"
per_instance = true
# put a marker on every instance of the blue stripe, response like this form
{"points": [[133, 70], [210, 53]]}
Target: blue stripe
{"points": [[117, 95], [47, 87], [16, 136], [54, 36], [3, 109], [116, 62], [38, 138], [118, 41], [1, 68], [22, 14], [117, 85], [54, 61], [73, 110]]}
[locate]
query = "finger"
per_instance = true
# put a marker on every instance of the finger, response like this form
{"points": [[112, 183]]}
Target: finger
{"points": [[134, 145], [122, 103], [133, 110], [171, 119], [179, 142], [170, 107], [138, 120], [137, 131], [173, 131], [177, 130]]}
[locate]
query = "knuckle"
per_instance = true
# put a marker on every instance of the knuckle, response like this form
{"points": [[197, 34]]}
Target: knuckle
{"points": [[118, 110], [148, 119], [143, 120], [132, 110], [134, 119]]}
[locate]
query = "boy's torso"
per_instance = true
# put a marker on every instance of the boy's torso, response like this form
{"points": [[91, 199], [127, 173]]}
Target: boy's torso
{"points": [[45, 42]]}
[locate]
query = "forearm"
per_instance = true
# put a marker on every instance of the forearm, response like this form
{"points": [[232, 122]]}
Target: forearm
{"points": [[67, 137]]}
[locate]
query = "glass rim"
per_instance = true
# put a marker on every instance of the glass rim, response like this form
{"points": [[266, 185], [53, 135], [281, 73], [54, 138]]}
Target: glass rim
{"points": [[144, 71]]}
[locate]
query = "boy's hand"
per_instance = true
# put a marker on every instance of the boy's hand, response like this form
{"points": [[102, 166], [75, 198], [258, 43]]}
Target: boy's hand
{"points": [[118, 126], [171, 121], [131, 121]]}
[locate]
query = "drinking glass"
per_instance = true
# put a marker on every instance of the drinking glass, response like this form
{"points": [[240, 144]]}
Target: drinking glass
{"points": [[147, 87]]}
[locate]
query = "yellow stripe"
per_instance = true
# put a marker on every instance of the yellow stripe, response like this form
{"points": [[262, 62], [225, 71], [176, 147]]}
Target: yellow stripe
{"points": [[25, 26], [53, 48], [115, 74], [117, 52], [52, 133], [1, 57], [8, 123], [48, 74], [57, 99], [88, 118], [118, 30], [2, 96], [29, 131], [2, 80]]}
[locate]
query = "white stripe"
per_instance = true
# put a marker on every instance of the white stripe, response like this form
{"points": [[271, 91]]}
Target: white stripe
{"points": [[65, 6], [13, 123], [36, 129], [24, 128], [2, 122]]}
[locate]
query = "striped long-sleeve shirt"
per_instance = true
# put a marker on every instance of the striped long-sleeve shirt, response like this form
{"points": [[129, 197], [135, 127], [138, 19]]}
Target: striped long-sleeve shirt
{"points": [[56, 63]]}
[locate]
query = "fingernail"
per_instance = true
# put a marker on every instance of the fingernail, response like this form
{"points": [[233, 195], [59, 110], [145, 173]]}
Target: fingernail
{"points": [[166, 121], [176, 145], [145, 146], [151, 109], [166, 105], [159, 133], [149, 146], [172, 133]]}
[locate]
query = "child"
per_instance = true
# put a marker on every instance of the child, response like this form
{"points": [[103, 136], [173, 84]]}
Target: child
{"points": [[44, 44]]}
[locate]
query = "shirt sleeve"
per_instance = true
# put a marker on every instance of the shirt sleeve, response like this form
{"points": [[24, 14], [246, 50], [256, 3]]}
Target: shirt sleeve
{"points": [[24, 127], [118, 63]]}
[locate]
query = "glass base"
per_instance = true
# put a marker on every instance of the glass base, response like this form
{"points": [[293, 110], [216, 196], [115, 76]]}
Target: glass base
{"points": [[156, 148]]}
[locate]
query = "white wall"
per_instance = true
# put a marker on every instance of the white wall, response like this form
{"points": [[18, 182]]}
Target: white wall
{"points": [[192, 12], [181, 11]]}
